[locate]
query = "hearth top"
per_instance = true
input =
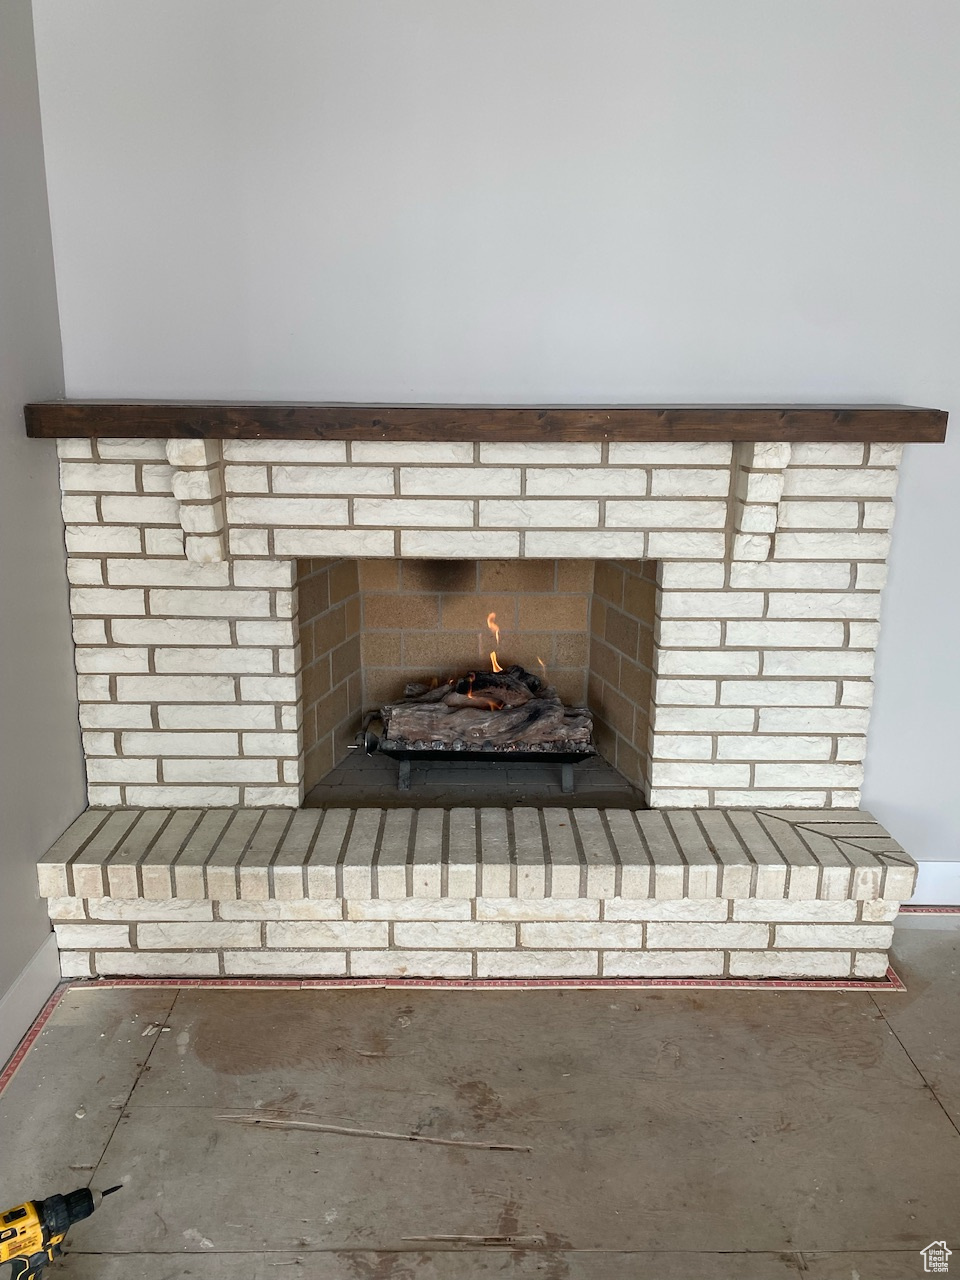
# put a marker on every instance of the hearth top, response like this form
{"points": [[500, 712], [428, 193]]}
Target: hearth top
{"points": [[485, 423], [263, 854]]}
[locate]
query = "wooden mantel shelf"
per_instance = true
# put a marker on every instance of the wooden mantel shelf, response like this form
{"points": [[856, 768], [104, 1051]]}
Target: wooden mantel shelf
{"points": [[494, 423]]}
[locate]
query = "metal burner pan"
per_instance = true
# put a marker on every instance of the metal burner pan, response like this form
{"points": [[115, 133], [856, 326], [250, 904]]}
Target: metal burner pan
{"points": [[372, 743]]}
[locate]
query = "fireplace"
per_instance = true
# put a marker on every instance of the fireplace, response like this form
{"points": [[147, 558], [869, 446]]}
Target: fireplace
{"points": [[240, 604]]}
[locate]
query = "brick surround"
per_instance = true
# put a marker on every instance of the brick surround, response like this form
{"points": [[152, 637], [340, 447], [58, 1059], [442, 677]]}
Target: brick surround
{"points": [[770, 562]]}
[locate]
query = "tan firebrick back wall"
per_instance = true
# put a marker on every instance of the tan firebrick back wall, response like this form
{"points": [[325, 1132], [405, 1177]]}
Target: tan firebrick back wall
{"points": [[329, 613], [426, 619], [622, 615]]}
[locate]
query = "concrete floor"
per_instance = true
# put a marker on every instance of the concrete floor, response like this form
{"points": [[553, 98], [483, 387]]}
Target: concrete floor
{"points": [[673, 1135]]}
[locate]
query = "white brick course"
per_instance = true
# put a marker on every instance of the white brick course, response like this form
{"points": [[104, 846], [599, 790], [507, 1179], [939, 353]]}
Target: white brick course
{"points": [[96, 477], [783, 635], [92, 935], [288, 511], [283, 451], [108, 660], [796, 513], [210, 603], [186, 935], [824, 936], [557, 454], [674, 453], [451, 481], [328, 934], [790, 964], [412, 513], [107, 603], [586, 481], [214, 770], [175, 688], [88, 631], [219, 661], [125, 572], [601, 544], [537, 964], [400, 964], [683, 546], [693, 635], [84, 573], [228, 716], [159, 964], [662, 964], [163, 542], [328, 542], [818, 662], [711, 604], [459, 545], [832, 546], [172, 631], [822, 482], [411, 452], [285, 964], [778, 693], [247, 479], [461, 936]]}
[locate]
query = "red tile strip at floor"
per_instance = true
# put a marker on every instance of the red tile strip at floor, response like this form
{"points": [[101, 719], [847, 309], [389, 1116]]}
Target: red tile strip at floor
{"points": [[890, 982], [930, 911], [27, 1043]]}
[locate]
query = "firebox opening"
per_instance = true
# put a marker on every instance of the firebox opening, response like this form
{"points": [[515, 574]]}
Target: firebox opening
{"points": [[368, 628]]}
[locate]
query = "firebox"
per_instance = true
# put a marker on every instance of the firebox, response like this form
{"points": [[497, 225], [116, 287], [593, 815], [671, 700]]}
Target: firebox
{"points": [[525, 660]]}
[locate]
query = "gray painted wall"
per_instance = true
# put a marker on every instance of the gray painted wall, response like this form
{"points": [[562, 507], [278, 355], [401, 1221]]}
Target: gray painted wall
{"points": [[41, 771], [573, 200]]}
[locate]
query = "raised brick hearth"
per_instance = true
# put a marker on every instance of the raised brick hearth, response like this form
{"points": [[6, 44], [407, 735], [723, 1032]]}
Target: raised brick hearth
{"points": [[719, 607], [476, 893]]}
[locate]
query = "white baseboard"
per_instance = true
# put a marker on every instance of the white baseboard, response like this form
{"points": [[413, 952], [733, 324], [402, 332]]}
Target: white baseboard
{"points": [[27, 996], [938, 885]]}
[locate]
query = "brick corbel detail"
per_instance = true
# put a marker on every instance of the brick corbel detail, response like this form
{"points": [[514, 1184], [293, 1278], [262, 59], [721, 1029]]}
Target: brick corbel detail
{"points": [[758, 476], [198, 488]]}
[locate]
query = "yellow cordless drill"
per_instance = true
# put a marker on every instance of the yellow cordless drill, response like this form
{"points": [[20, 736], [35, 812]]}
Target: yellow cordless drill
{"points": [[31, 1234]]}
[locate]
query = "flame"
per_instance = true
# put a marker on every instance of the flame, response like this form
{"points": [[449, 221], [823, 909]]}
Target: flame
{"points": [[495, 630], [543, 667]]}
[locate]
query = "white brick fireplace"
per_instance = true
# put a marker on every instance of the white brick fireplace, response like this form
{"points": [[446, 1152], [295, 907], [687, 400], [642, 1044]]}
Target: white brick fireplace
{"points": [[183, 564], [770, 558]]}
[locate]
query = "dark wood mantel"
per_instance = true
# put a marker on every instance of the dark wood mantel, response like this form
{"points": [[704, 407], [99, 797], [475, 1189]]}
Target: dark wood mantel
{"points": [[494, 423]]}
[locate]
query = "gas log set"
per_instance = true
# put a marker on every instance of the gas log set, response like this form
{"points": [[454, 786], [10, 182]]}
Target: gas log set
{"points": [[485, 715], [504, 711]]}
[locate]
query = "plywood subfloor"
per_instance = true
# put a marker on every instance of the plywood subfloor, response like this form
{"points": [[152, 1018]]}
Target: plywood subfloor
{"points": [[716, 1135]]}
